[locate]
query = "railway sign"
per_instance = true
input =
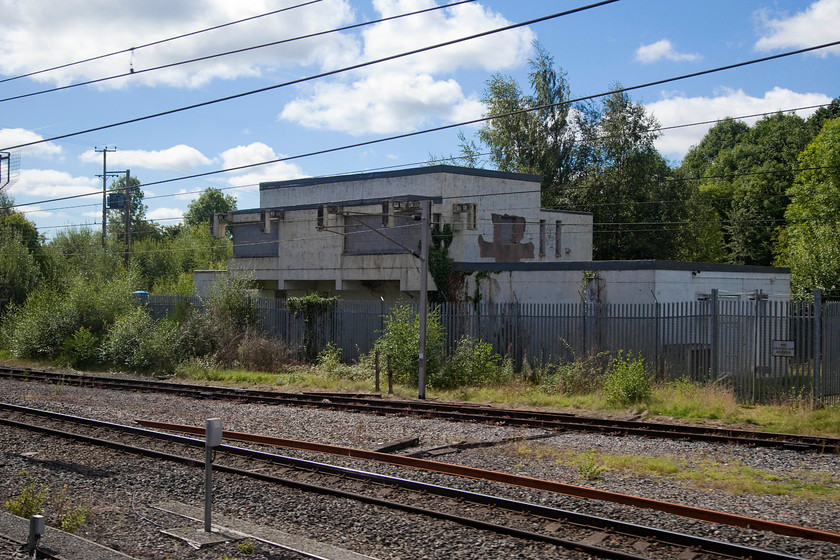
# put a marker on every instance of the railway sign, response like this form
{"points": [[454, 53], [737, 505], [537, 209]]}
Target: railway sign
{"points": [[783, 348]]}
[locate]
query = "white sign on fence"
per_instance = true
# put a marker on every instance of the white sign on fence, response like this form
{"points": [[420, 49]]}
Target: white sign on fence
{"points": [[783, 348]]}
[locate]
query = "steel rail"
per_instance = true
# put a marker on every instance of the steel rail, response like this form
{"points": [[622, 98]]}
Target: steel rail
{"points": [[587, 521], [451, 411], [702, 514]]}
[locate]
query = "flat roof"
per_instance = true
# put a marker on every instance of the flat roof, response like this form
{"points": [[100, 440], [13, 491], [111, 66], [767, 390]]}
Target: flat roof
{"points": [[426, 170], [617, 265]]}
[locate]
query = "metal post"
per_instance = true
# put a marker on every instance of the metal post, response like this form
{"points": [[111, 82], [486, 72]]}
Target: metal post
{"points": [[127, 218], [713, 347], [424, 273], [213, 438], [818, 345], [37, 525], [104, 151]]}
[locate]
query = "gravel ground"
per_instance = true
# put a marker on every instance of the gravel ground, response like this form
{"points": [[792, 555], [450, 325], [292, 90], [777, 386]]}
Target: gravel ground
{"points": [[121, 489]]}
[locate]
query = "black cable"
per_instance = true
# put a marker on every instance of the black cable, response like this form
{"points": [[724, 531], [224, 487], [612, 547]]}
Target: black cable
{"points": [[322, 75], [158, 42], [227, 53], [451, 158]]}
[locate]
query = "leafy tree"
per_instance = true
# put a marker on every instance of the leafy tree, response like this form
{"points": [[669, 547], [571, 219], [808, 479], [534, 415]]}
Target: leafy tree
{"points": [[78, 252], [744, 174], [23, 260], [822, 115], [540, 141], [211, 201], [811, 243], [626, 183], [140, 227]]}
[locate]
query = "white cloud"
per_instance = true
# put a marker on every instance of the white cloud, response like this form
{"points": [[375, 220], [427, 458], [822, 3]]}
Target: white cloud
{"points": [[663, 49], [381, 104], [17, 136], [816, 25], [675, 110], [166, 214], [52, 183], [257, 152], [39, 34], [407, 93], [179, 158]]}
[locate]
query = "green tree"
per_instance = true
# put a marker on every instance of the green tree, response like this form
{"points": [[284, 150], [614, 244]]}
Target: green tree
{"points": [[211, 201], [141, 228], [744, 173], [23, 259], [811, 241], [625, 182], [540, 141]]}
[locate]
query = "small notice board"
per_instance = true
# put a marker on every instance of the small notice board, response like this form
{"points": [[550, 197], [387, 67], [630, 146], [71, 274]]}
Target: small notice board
{"points": [[783, 348]]}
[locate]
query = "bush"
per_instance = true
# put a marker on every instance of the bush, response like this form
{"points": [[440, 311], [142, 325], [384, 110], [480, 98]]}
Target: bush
{"points": [[401, 340], [258, 353], [138, 343], [574, 378], [329, 361], [30, 500], [81, 349], [40, 327], [627, 381], [231, 303], [472, 364]]}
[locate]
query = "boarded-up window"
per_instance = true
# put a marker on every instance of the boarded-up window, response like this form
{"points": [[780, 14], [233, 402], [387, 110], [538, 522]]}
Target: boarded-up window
{"points": [[507, 230], [249, 240], [361, 240]]}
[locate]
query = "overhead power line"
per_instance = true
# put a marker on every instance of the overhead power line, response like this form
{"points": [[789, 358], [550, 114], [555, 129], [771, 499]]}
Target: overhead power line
{"points": [[158, 42], [722, 176], [236, 51], [321, 75]]}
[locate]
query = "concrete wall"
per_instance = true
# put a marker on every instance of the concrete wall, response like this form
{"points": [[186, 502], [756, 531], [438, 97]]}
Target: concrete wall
{"points": [[495, 217], [628, 282]]}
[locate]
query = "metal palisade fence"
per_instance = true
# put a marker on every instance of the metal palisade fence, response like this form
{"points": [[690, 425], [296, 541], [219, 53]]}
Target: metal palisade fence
{"points": [[764, 349]]}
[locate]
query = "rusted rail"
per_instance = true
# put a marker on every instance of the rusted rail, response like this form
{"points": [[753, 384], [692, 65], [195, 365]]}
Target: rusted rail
{"points": [[517, 480]]}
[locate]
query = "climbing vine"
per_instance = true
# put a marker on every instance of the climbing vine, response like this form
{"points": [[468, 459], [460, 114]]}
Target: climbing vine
{"points": [[312, 309], [449, 282]]}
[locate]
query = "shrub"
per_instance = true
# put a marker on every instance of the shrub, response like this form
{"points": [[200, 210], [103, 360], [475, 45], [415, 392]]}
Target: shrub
{"points": [[137, 343], [68, 516], [400, 339], [30, 500], [81, 349], [230, 302], [258, 353], [574, 378], [627, 381], [40, 327], [473, 363], [329, 361]]}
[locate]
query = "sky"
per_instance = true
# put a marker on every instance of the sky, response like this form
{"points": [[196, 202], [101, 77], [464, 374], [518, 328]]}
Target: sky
{"points": [[308, 104]]}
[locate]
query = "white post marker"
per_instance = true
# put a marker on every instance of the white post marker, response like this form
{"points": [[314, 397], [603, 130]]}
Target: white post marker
{"points": [[213, 439]]}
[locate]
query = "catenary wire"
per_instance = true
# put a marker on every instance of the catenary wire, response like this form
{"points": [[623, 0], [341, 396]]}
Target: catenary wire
{"points": [[232, 52], [451, 158], [158, 42], [321, 75]]}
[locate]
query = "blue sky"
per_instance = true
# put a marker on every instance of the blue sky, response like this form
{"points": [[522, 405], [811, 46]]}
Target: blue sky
{"points": [[631, 41]]}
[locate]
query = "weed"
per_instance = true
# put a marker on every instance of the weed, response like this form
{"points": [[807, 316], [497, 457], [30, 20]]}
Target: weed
{"points": [[68, 516], [30, 500], [589, 467], [627, 382], [248, 546]]}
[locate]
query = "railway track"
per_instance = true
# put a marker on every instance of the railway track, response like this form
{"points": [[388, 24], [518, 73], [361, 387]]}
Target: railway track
{"points": [[374, 404], [592, 535]]}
